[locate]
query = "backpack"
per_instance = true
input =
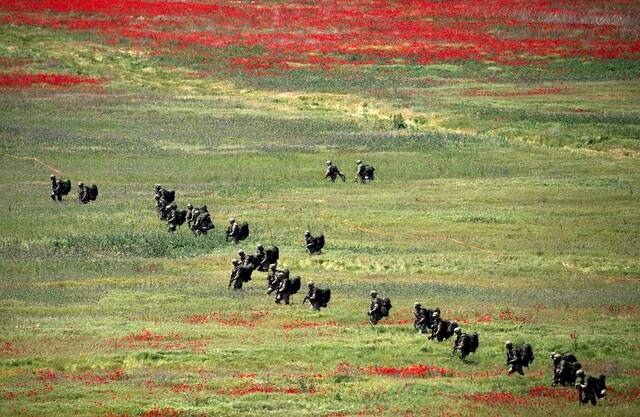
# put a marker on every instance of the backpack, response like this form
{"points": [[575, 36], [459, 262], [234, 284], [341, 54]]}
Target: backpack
{"points": [[65, 187], [323, 296], [168, 196], [244, 231], [93, 192], [181, 217], [244, 273], [527, 354], [272, 255], [369, 171], [293, 285], [385, 307], [319, 242], [474, 342]]}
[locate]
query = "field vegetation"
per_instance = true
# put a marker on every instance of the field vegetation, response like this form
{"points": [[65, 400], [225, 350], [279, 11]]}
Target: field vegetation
{"points": [[505, 136]]}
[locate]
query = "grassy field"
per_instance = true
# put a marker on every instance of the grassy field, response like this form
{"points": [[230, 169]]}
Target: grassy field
{"points": [[510, 200]]}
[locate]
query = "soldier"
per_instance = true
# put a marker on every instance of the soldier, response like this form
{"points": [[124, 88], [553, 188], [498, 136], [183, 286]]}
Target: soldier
{"points": [[273, 281], [317, 297], [464, 343], [435, 325], [158, 195], [259, 258], [56, 191], [378, 308], [189, 214], [233, 231], [311, 295], [313, 244], [202, 223], [590, 388], [83, 194], [360, 168], [176, 218], [167, 212], [286, 287], [420, 319], [234, 278], [565, 367], [512, 359], [242, 256], [333, 172]]}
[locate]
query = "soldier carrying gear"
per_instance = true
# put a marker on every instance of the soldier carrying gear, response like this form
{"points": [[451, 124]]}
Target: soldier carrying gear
{"points": [[464, 343], [518, 357], [421, 318], [176, 219], [233, 231], [234, 277], [273, 279], [318, 297], [590, 388], [333, 172], [565, 368], [87, 194], [287, 287], [168, 211], [259, 258], [314, 244], [364, 173], [243, 256], [59, 188], [378, 308], [441, 329], [202, 223]]}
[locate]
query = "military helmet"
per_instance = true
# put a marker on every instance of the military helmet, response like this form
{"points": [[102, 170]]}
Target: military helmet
{"points": [[457, 330], [189, 206], [359, 161], [232, 220], [435, 314], [579, 372], [373, 293], [80, 184], [417, 304], [240, 252], [329, 162], [272, 266], [307, 233], [235, 261], [508, 343], [311, 284], [158, 186], [204, 207], [556, 356], [52, 176], [260, 247]]}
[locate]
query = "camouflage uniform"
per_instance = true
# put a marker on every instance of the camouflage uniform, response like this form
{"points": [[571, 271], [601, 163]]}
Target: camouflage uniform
{"points": [[512, 358], [360, 174], [260, 257], [590, 388], [189, 215], [234, 278], [56, 188], [375, 308], [333, 172], [233, 231], [281, 293], [83, 193], [311, 296], [273, 281]]}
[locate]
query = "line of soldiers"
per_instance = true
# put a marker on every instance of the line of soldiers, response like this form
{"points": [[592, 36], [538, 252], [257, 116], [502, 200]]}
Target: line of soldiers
{"points": [[198, 218], [61, 188], [518, 357], [567, 371], [429, 321], [364, 173]]}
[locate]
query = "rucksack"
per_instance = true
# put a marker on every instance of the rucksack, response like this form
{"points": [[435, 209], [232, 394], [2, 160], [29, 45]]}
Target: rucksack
{"points": [[181, 217], [527, 354], [293, 285], [474, 342], [93, 192], [65, 187], [385, 307], [244, 231], [244, 273], [323, 296], [319, 242], [272, 255], [369, 171], [168, 196]]}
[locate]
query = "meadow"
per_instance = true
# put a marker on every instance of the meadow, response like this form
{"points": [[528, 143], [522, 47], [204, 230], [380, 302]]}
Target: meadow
{"points": [[505, 137]]}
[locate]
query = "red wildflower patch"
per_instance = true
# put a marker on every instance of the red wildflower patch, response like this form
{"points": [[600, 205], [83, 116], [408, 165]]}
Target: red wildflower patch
{"points": [[484, 319], [161, 412], [301, 324], [27, 80], [541, 391], [508, 315], [47, 375], [413, 371], [89, 378], [180, 388], [265, 389], [7, 347], [497, 398]]}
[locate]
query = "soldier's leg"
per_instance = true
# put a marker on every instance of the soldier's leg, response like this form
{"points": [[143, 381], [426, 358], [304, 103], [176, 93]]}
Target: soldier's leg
{"points": [[286, 298]]}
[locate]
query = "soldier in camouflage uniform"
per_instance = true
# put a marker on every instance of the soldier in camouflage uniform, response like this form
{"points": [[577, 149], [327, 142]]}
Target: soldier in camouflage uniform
{"points": [[512, 358], [333, 172], [83, 193], [56, 188], [590, 388], [273, 279], [189, 215], [233, 231], [234, 278]]}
